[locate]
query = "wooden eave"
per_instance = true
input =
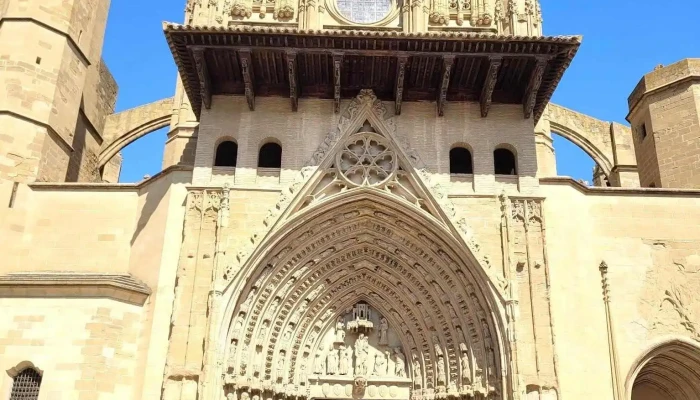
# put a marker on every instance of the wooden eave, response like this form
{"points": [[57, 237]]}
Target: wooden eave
{"points": [[332, 64]]}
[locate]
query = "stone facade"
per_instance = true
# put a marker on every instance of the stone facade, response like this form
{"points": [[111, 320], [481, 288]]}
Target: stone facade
{"points": [[361, 266]]}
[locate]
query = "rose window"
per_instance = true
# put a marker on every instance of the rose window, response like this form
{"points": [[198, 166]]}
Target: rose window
{"points": [[366, 160], [364, 11]]}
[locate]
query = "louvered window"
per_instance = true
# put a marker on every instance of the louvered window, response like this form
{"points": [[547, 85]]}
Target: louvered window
{"points": [[26, 385]]}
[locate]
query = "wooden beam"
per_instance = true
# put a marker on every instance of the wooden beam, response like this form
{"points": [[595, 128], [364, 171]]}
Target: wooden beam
{"points": [[293, 80], [400, 75], [200, 64], [489, 85], [337, 69], [533, 87], [248, 76], [447, 62]]}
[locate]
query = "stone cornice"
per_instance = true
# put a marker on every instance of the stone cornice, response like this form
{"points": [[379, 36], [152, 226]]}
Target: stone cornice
{"points": [[615, 191], [123, 288], [127, 187]]}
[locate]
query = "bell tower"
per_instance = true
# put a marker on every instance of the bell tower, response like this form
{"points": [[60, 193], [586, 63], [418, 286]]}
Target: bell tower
{"points": [[55, 90], [665, 118]]}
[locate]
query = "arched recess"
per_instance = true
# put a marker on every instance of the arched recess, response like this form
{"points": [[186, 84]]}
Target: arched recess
{"points": [[124, 127], [669, 370], [592, 135], [365, 246]]}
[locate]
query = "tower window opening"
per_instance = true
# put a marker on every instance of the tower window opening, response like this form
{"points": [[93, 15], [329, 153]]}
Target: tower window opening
{"points": [[461, 161], [504, 162], [642, 131], [270, 156], [226, 154], [26, 385]]}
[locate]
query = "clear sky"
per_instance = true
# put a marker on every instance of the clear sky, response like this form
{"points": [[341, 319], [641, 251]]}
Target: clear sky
{"points": [[622, 40]]}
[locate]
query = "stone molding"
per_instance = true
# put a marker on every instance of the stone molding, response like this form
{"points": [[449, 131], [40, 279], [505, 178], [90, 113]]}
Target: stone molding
{"points": [[618, 191], [72, 186], [123, 288]]}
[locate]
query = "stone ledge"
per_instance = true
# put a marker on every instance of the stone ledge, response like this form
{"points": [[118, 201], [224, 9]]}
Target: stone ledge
{"points": [[617, 191], [74, 284], [71, 186]]}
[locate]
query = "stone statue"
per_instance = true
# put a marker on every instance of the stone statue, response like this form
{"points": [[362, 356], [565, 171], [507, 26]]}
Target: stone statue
{"points": [[417, 374], [441, 376], [399, 363], [231, 364], [332, 362], [466, 370], [361, 351], [280, 365], [238, 325], [383, 332], [340, 331], [319, 363], [380, 364], [345, 366], [288, 333], [303, 378]]}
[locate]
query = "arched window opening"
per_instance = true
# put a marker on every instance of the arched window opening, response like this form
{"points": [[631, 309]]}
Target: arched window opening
{"points": [[461, 161], [270, 156], [226, 154], [504, 162], [26, 385]]}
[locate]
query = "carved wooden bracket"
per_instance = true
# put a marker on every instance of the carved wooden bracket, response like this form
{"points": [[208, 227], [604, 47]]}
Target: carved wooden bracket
{"points": [[203, 75], [247, 72], [293, 81], [490, 84], [337, 65], [533, 87], [400, 75], [447, 62]]}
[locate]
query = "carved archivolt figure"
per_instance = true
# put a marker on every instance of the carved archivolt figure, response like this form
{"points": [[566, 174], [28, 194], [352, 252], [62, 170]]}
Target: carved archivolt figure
{"points": [[442, 378], [340, 331], [417, 374], [466, 370]]}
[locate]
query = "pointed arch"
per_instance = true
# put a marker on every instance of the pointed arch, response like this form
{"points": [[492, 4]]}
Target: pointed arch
{"points": [[365, 246], [670, 368]]}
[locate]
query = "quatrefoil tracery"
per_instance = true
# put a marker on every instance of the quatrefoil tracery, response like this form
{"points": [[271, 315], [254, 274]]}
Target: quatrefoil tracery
{"points": [[366, 160]]}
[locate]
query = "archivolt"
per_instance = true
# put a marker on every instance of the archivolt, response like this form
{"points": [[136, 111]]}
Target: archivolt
{"points": [[671, 368], [364, 246]]}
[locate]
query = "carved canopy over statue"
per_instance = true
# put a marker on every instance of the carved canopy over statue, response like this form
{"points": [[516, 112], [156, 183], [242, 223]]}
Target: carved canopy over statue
{"points": [[362, 291]]}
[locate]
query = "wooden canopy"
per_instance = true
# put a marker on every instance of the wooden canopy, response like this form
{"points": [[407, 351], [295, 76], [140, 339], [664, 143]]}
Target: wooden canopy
{"points": [[441, 67]]}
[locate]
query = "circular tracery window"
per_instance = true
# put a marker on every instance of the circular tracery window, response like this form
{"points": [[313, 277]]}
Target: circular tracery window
{"points": [[366, 160], [364, 11]]}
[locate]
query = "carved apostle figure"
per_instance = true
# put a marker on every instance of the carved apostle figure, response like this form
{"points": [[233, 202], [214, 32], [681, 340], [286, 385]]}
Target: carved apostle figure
{"points": [[466, 370], [280, 365], [442, 377], [340, 331], [361, 352], [345, 366], [380, 364], [399, 363], [319, 363], [417, 374], [383, 332], [231, 363], [332, 362]]}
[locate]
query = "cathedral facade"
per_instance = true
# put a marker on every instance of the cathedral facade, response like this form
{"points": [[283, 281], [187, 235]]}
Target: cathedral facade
{"points": [[358, 200]]}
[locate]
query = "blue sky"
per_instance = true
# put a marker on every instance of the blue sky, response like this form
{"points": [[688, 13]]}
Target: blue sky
{"points": [[622, 40]]}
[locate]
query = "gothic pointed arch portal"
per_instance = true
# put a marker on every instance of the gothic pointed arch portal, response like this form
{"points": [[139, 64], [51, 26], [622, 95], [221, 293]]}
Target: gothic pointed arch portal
{"points": [[363, 288]]}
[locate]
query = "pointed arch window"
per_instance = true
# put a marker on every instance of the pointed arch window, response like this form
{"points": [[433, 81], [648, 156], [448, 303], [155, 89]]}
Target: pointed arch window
{"points": [[461, 161], [504, 162], [270, 156], [26, 385], [226, 154]]}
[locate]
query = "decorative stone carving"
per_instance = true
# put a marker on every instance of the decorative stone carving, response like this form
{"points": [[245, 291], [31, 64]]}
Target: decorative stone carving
{"points": [[361, 318], [332, 362], [380, 363], [359, 386], [440, 366], [319, 362], [362, 354], [345, 367], [417, 374], [340, 330], [399, 363]]}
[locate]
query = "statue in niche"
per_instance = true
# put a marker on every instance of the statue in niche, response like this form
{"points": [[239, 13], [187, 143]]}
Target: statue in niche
{"points": [[280, 365], [231, 364], [272, 309], [417, 374], [478, 385], [332, 362], [436, 344], [319, 362], [383, 332], [249, 300], [340, 330], [466, 370], [263, 331], [238, 325], [399, 363], [379, 364], [302, 372], [345, 366], [259, 359], [288, 333], [441, 376], [362, 352]]}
